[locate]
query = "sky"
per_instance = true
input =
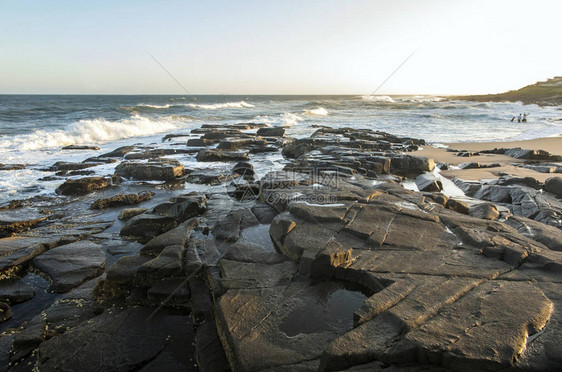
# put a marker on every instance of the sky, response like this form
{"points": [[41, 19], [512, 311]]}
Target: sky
{"points": [[277, 47]]}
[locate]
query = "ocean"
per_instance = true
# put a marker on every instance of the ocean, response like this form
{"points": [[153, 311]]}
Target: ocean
{"points": [[34, 128]]}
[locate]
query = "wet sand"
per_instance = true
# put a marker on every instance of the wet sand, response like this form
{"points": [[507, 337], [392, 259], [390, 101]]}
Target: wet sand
{"points": [[550, 144]]}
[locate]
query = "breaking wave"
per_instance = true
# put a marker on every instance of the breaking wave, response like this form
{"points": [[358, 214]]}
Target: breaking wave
{"points": [[93, 131], [319, 111], [210, 106], [378, 99]]}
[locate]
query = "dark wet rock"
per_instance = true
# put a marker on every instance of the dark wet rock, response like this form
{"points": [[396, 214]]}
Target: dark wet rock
{"points": [[442, 166], [28, 339], [244, 169], [458, 206], [467, 154], [297, 149], [168, 137], [229, 228], [129, 213], [210, 177], [156, 153], [14, 221], [437, 197], [146, 226], [176, 236], [164, 217], [71, 309], [122, 199], [118, 152], [120, 276], [554, 185], [494, 193], [219, 155], [524, 181], [76, 173], [83, 185], [473, 165], [209, 351], [128, 338], [550, 236], [5, 312], [80, 147], [271, 132], [70, 265], [247, 191], [163, 170], [470, 188], [8, 167], [264, 212], [167, 264], [12, 204], [428, 182], [541, 168], [485, 211], [199, 142], [406, 164], [171, 292], [65, 166], [249, 252], [519, 153], [222, 134], [15, 291], [101, 160], [18, 251], [202, 303], [237, 144]]}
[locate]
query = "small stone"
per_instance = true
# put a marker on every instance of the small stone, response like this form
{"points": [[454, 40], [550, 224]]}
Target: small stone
{"points": [[128, 213]]}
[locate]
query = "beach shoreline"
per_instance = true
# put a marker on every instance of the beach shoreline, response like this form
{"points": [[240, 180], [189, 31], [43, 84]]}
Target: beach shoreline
{"points": [[509, 164]]}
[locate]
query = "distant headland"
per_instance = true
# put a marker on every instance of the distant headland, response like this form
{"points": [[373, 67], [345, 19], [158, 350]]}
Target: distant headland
{"points": [[543, 93]]}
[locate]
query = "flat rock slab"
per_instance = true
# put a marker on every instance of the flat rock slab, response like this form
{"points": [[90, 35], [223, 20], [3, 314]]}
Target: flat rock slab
{"points": [[163, 170], [83, 185], [122, 199], [15, 291], [127, 340], [72, 264], [451, 290], [280, 327], [13, 221], [219, 155]]}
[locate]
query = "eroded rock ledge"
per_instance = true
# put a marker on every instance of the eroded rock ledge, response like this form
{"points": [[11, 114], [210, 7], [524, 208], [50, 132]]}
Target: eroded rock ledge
{"points": [[326, 263]]}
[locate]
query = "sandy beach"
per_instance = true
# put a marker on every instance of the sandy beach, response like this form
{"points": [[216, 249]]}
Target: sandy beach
{"points": [[440, 155]]}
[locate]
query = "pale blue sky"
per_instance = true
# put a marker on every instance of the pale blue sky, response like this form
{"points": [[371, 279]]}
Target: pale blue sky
{"points": [[281, 47]]}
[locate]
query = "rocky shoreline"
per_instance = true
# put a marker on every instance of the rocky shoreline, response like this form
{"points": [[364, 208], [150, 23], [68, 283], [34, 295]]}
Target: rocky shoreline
{"points": [[343, 250]]}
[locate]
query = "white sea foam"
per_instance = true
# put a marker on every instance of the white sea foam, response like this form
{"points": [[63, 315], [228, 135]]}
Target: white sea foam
{"points": [[290, 119], [153, 106], [93, 131], [319, 111], [422, 99], [216, 106], [210, 106], [378, 99]]}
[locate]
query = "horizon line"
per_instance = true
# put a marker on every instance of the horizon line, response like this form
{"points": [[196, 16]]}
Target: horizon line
{"points": [[244, 94]]}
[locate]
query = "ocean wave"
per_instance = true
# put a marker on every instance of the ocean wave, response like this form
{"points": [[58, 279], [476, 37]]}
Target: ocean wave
{"points": [[319, 111], [216, 106], [285, 119], [93, 131], [423, 99], [387, 99], [210, 106], [289, 119]]}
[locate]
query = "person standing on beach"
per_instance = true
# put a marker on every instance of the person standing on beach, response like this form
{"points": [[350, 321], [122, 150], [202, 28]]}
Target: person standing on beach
{"points": [[519, 119], [524, 117]]}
